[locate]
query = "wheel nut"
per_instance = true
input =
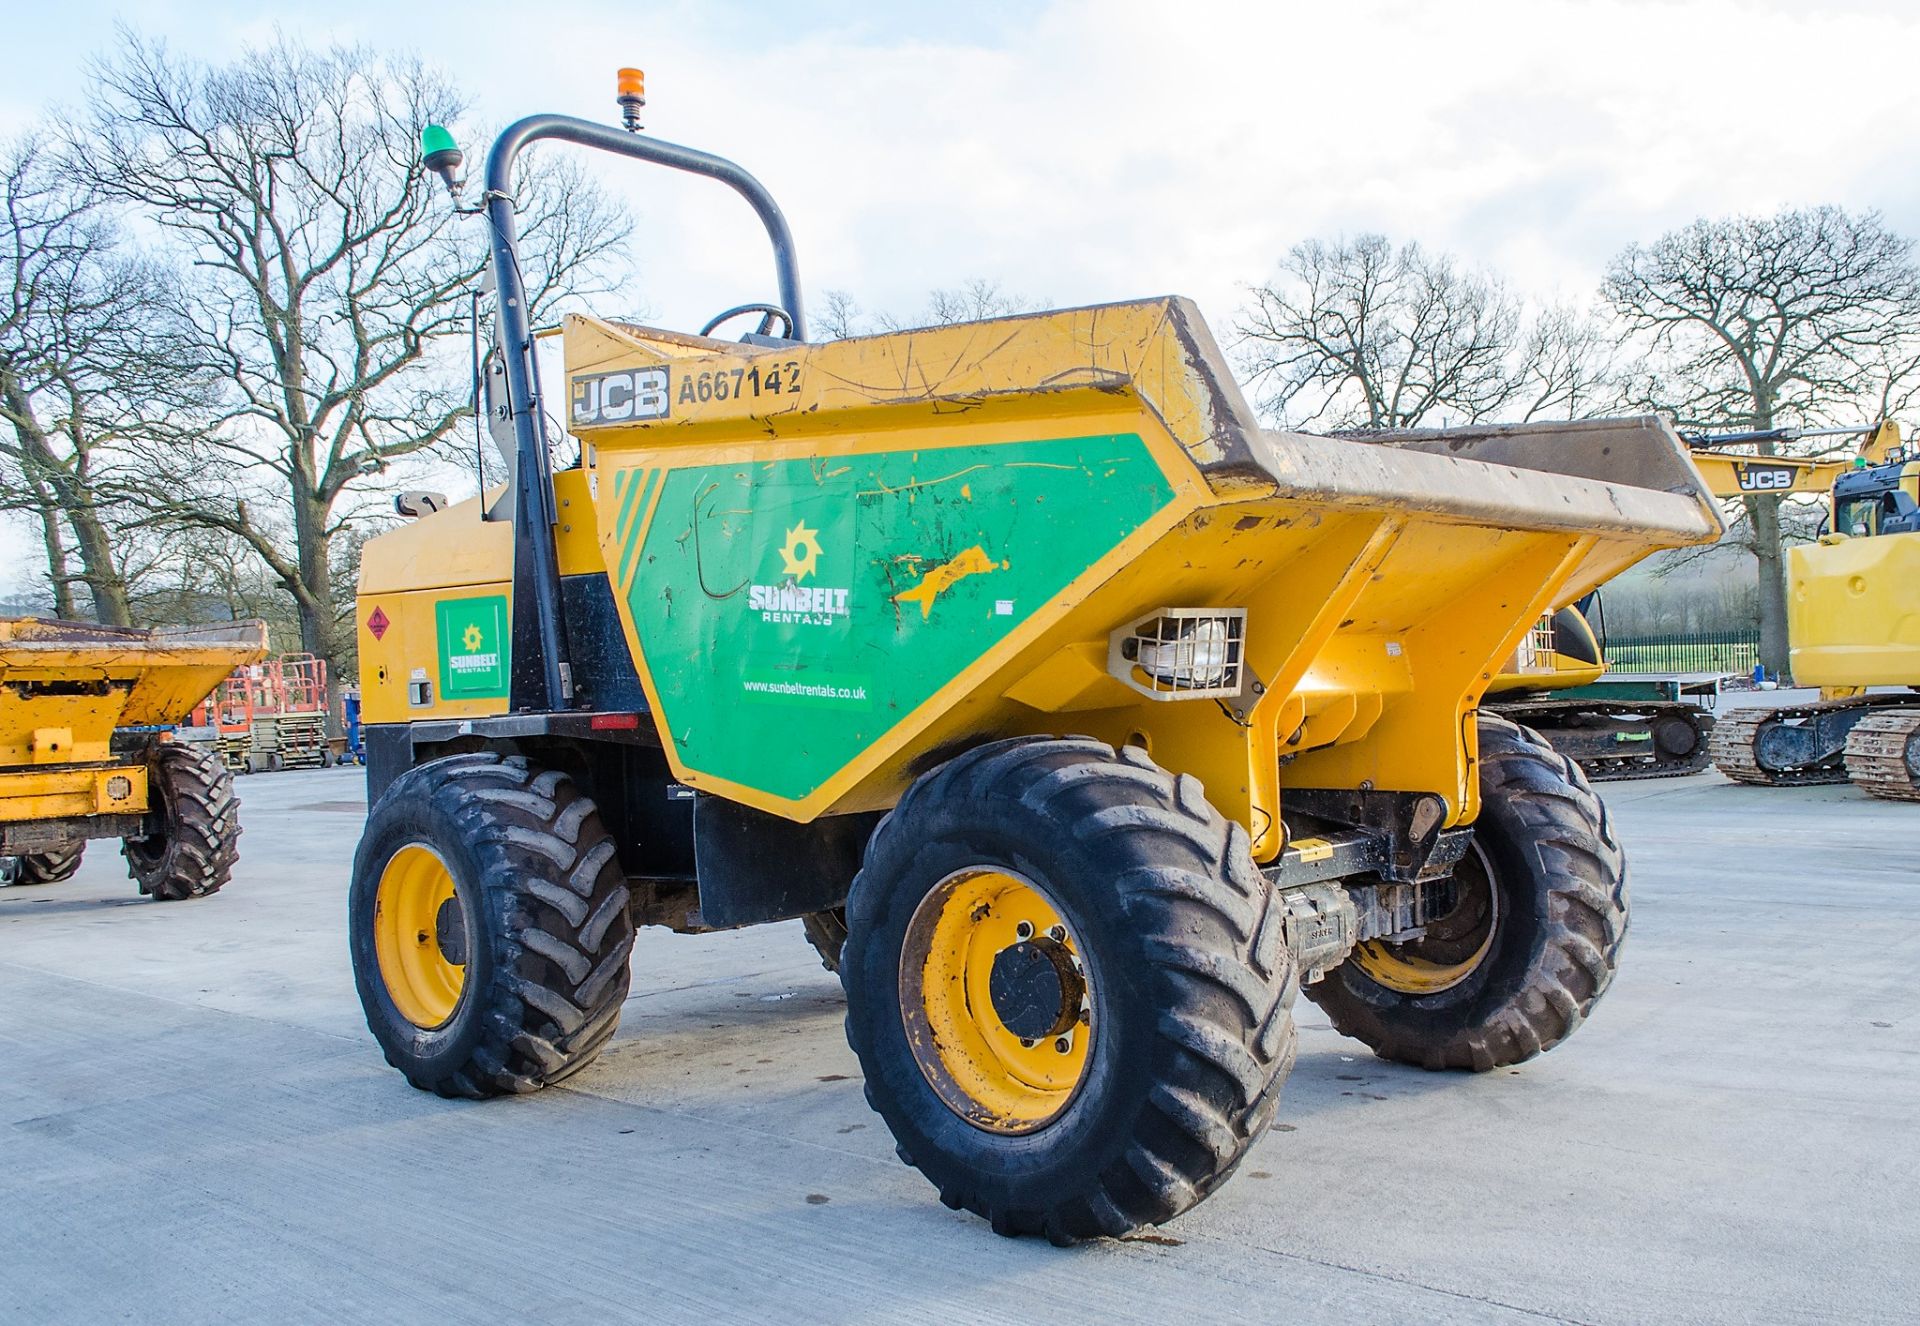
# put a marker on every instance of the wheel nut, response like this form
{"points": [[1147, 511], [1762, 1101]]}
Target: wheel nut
{"points": [[1057, 933], [1063, 1044], [1026, 1044], [1023, 930]]}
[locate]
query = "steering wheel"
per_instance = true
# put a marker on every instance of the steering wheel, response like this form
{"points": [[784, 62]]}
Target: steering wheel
{"points": [[767, 312]]}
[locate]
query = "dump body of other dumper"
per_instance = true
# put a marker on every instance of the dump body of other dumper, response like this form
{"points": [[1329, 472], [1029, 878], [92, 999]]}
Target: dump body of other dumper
{"points": [[82, 709]]}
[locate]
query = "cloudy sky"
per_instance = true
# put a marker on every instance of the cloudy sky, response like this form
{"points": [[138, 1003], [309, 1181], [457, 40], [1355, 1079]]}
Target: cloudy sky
{"points": [[1089, 150]]}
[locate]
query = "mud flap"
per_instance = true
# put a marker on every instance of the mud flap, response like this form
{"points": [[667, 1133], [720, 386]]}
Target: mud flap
{"points": [[756, 867]]}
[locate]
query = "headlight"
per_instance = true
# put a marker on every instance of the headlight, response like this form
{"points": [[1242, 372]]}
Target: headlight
{"points": [[1182, 653]]}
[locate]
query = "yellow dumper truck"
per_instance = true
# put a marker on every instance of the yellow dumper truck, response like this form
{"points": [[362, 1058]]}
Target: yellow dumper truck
{"points": [[86, 751], [1086, 718]]}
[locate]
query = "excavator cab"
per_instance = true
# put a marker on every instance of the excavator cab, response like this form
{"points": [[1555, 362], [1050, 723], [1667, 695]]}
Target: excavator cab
{"points": [[1878, 499]]}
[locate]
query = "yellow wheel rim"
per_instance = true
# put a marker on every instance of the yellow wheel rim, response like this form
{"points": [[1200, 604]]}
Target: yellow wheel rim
{"points": [[413, 911], [1455, 944], [1004, 1078]]}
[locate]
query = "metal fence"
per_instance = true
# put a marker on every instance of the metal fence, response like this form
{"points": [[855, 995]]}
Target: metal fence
{"points": [[1690, 651]]}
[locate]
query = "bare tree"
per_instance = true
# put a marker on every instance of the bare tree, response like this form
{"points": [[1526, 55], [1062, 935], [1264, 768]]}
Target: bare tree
{"points": [[89, 368], [838, 317], [1360, 334], [1567, 366], [1762, 322], [323, 281], [972, 300]]}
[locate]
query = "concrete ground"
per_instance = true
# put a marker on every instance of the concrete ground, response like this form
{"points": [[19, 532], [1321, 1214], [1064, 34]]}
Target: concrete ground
{"points": [[195, 1125]]}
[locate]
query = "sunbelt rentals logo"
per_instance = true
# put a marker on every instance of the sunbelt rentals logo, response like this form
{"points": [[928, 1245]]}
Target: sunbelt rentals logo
{"points": [[473, 655], [792, 601]]}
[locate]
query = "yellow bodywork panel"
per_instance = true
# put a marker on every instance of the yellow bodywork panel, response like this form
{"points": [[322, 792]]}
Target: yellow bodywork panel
{"points": [[832, 563], [1763, 476], [65, 686], [453, 572], [1853, 614], [73, 793]]}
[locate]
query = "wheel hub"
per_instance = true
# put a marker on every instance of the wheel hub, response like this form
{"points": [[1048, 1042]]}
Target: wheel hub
{"points": [[420, 935], [1036, 989], [1001, 1013], [1452, 945], [450, 932]]}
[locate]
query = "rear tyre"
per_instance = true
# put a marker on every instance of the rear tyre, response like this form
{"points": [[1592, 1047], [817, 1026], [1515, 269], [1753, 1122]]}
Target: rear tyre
{"points": [[489, 926], [192, 853], [827, 932], [1532, 941], [48, 867], [1068, 986]]}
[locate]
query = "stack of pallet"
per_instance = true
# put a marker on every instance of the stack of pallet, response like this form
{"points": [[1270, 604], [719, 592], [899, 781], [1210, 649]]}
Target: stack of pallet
{"points": [[290, 714]]}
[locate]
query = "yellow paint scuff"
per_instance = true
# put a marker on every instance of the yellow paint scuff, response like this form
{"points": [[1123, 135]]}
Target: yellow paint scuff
{"points": [[974, 561]]}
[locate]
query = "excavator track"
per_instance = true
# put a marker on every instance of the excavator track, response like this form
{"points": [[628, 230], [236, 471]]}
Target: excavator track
{"points": [[1620, 740], [1732, 751], [1794, 746], [1883, 754]]}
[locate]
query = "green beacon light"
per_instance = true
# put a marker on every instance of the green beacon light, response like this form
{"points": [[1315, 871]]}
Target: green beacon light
{"points": [[442, 156]]}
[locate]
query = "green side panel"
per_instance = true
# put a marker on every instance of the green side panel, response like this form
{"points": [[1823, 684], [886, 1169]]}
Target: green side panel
{"points": [[1623, 691], [793, 612], [474, 640]]}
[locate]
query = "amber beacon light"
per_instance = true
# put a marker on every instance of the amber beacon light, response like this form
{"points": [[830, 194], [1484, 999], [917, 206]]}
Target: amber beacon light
{"points": [[630, 88]]}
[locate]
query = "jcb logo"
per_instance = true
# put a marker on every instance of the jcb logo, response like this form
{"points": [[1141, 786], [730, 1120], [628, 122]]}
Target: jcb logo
{"points": [[626, 397], [1763, 478]]}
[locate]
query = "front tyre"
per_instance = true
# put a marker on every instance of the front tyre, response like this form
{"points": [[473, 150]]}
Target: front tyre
{"points": [[1530, 942], [489, 927], [1068, 986], [192, 852]]}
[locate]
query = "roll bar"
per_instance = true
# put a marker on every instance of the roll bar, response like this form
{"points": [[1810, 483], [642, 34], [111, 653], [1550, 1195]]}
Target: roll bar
{"points": [[539, 613]]}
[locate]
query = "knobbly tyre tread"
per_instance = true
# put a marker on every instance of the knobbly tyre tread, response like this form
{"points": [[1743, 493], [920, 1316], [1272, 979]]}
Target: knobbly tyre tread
{"points": [[1876, 754], [48, 867], [558, 924], [1570, 837], [1212, 937], [193, 853], [827, 932]]}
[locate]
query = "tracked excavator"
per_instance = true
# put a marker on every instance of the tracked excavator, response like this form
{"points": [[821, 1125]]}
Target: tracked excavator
{"points": [[1853, 622], [1554, 684], [1557, 681]]}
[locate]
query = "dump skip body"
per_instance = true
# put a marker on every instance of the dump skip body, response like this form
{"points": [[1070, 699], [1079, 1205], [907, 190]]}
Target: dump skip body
{"points": [[66, 689], [92, 679]]}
